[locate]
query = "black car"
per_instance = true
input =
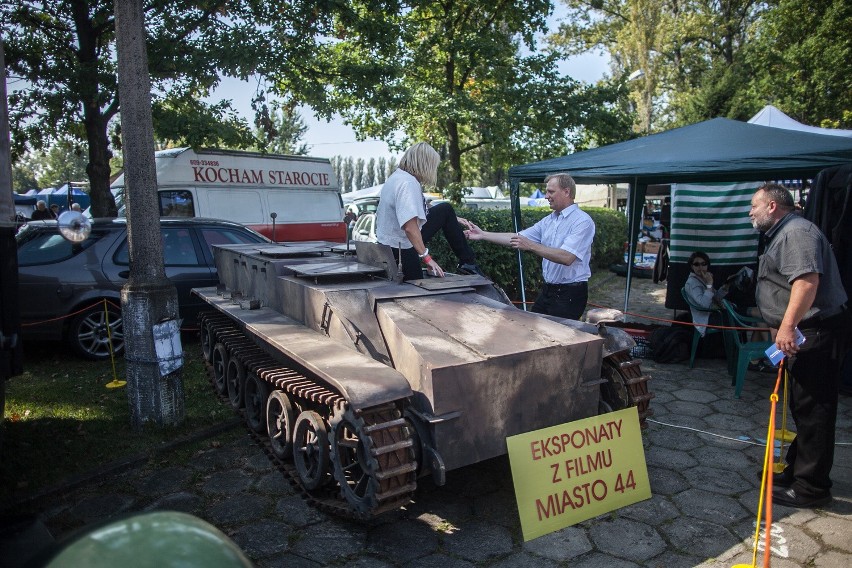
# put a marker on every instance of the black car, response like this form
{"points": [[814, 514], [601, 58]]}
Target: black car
{"points": [[71, 291]]}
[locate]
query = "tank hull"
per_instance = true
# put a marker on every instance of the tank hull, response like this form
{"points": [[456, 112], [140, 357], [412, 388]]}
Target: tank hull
{"points": [[461, 367]]}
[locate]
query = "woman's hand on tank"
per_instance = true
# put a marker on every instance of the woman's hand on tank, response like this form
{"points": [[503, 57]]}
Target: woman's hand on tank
{"points": [[434, 269]]}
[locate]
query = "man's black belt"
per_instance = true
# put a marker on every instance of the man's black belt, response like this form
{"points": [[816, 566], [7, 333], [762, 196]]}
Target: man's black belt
{"points": [[821, 317], [562, 287]]}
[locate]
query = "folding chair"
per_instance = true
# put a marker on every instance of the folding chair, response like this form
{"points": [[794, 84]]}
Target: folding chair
{"points": [[696, 335], [744, 351]]}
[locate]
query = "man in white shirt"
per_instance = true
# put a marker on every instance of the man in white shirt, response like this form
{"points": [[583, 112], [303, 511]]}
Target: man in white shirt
{"points": [[563, 240]]}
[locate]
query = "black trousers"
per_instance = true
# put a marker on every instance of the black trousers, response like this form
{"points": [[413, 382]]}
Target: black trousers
{"points": [[412, 267], [562, 300], [814, 380], [442, 217]]}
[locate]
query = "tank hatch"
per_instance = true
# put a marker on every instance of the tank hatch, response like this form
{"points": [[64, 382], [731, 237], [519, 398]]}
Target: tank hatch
{"points": [[287, 250]]}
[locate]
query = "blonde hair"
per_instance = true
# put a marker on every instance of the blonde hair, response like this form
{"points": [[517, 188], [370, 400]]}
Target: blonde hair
{"points": [[421, 160], [565, 181]]}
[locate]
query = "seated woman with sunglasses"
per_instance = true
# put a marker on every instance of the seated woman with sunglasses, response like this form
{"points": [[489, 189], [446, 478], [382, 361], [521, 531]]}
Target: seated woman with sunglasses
{"points": [[703, 297]]}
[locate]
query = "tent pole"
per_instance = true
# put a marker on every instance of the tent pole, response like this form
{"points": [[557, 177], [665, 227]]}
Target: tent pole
{"points": [[515, 199], [635, 205], [631, 197]]}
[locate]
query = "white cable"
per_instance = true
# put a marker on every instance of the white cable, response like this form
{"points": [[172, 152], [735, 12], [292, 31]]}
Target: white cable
{"points": [[747, 441]]}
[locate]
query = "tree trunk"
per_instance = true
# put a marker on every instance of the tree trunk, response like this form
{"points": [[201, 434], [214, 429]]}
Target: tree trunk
{"points": [[103, 203], [155, 393], [454, 151]]}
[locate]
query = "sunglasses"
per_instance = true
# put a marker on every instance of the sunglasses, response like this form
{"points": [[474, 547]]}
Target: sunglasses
{"points": [[699, 264]]}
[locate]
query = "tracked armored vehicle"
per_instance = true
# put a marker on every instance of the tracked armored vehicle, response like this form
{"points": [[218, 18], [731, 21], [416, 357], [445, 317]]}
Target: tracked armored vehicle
{"points": [[358, 384]]}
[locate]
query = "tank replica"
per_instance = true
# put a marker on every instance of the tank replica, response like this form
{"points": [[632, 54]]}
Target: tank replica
{"points": [[357, 383]]}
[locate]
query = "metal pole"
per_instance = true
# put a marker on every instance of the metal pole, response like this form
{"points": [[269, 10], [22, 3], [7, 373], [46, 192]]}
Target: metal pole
{"points": [[515, 199]]}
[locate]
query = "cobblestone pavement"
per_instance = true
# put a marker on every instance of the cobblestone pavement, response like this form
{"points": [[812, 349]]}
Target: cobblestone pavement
{"points": [[703, 459]]}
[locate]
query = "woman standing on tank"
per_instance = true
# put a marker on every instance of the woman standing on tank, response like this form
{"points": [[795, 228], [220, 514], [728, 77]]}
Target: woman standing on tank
{"points": [[402, 210]]}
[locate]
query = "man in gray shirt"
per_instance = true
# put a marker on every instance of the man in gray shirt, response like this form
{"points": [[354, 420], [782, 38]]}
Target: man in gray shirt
{"points": [[798, 286]]}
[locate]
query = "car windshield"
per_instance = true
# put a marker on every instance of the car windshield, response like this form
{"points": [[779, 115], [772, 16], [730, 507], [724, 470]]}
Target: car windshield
{"points": [[37, 246]]}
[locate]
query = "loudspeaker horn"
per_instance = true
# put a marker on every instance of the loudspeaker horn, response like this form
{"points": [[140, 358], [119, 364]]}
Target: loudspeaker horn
{"points": [[74, 226]]}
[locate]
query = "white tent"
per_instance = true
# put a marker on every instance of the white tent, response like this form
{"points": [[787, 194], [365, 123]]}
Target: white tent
{"points": [[771, 116]]}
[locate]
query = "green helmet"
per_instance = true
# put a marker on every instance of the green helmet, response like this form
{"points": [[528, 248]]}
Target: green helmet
{"points": [[157, 540]]}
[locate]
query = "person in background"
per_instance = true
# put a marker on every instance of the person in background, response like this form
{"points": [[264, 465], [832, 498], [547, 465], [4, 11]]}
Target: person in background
{"points": [[41, 212], [403, 224], [54, 211], [76, 207], [563, 240], [700, 291], [799, 287]]}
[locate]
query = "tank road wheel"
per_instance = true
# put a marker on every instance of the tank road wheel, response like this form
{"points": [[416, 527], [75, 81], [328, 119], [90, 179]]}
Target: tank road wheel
{"points": [[255, 393], [279, 424], [614, 393], [353, 465], [310, 450], [219, 362], [625, 386], [235, 380], [207, 342]]}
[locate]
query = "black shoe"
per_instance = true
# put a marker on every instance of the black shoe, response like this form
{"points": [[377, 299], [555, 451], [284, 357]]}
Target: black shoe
{"points": [[470, 268], [790, 498], [783, 479]]}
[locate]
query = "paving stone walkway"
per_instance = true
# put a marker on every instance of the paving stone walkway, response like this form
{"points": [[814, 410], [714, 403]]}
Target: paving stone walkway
{"points": [[703, 455]]}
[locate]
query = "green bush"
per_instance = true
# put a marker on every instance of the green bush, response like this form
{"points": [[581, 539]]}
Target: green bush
{"points": [[501, 263]]}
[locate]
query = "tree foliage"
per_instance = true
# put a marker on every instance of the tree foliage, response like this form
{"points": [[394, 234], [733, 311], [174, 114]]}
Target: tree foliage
{"points": [[65, 161], [463, 75], [65, 50], [707, 58], [802, 61], [370, 173], [283, 134], [678, 52]]}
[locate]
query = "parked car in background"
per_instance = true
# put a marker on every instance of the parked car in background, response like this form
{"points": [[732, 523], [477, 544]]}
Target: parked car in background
{"points": [[365, 228], [63, 285]]}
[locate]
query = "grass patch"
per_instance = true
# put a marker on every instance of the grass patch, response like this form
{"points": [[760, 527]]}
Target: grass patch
{"points": [[61, 420]]}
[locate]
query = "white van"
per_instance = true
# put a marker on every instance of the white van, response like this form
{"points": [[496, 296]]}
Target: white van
{"points": [[250, 188]]}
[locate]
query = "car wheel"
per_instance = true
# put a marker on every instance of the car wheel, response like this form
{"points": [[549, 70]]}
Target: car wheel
{"points": [[90, 337]]}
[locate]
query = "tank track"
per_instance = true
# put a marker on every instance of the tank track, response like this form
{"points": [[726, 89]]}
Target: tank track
{"points": [[626, 385], [374, 442]]}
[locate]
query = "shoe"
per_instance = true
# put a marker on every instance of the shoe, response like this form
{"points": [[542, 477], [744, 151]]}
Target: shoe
{"points": [[470, 268], [783, 479], [790, 498]]}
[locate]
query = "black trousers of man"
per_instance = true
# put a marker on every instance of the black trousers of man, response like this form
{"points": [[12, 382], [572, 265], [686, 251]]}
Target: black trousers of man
{"points": [[814, 380], [562, 300]]}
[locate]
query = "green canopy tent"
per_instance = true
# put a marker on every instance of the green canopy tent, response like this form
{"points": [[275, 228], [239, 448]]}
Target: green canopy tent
{"points": [[715, 150]]}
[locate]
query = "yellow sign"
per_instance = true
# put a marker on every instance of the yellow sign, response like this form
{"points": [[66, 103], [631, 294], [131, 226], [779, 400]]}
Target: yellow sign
{"points": [[572, 472]]}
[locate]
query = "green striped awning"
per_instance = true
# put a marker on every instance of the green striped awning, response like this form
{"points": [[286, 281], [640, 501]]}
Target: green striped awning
{"points": [[713, 217]]}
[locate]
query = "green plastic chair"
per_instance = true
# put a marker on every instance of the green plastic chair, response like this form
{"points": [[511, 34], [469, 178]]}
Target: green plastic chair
{"points": [[696, 335], [743, 351]]}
